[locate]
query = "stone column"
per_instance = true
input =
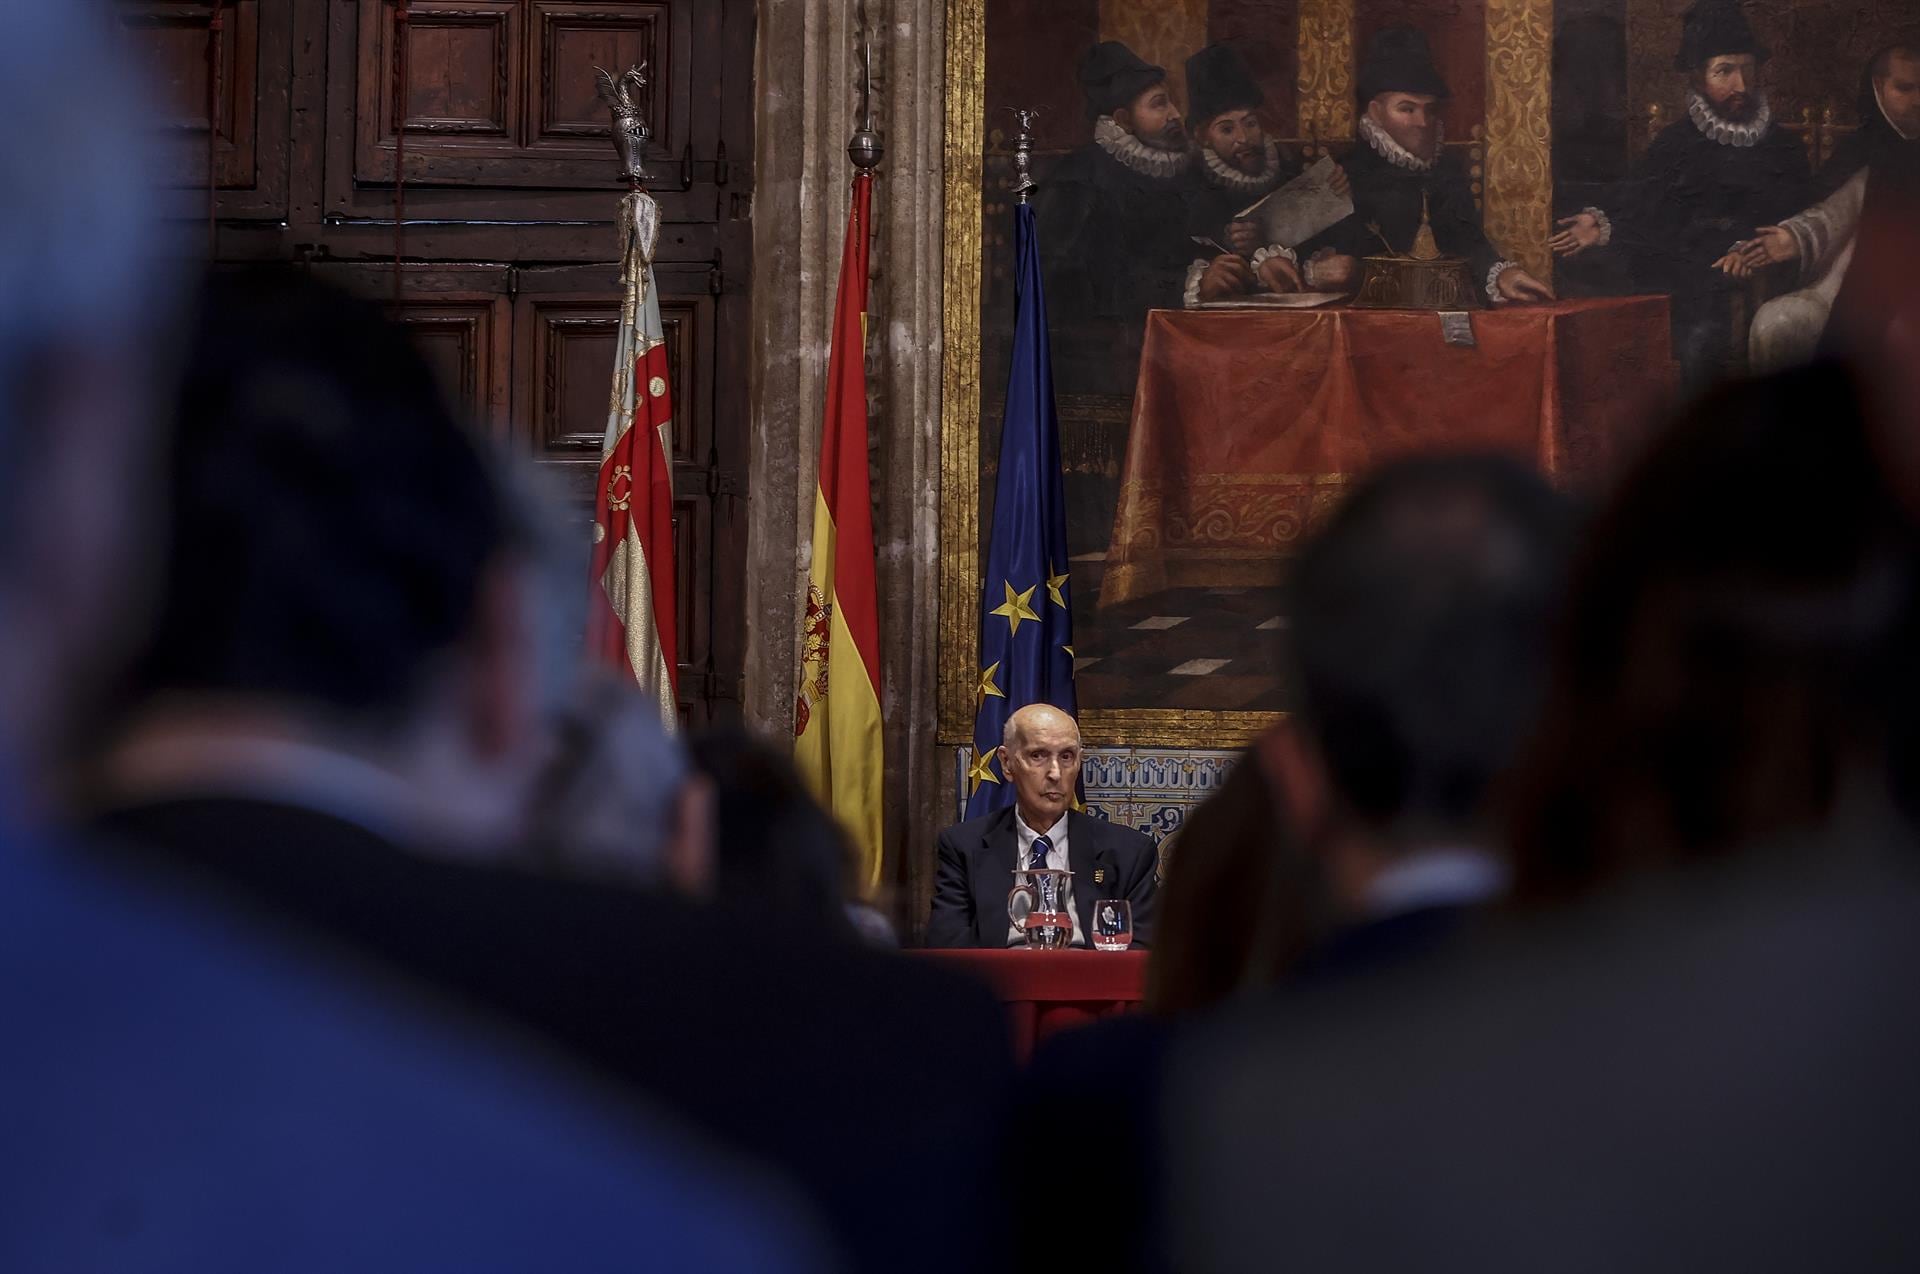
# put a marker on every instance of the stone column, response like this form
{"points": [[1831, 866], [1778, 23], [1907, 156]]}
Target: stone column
{"points": [[808, 75]]}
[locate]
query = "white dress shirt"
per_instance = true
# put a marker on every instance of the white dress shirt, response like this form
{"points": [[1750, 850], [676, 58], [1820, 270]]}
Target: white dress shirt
{"points": [[1056, 835]]}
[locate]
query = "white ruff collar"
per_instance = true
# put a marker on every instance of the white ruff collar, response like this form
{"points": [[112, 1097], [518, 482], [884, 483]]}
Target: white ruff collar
{"points": [[1725, 131], [1396, 154], [1222, 173], [1148, 161]]}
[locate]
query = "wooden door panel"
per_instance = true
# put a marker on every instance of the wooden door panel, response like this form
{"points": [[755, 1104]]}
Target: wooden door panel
{"points": [[461, 319], [566, 342], [468, 344], [501, 93], [571, 40], [179, 47], [460, 64]]}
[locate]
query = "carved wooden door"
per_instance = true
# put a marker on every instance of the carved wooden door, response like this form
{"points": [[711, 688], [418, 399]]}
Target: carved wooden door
{"points": [[311, 110]]}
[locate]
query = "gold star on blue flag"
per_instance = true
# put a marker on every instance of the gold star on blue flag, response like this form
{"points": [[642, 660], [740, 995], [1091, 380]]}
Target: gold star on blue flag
{"points": [[1031, 648], [1015, 609]]}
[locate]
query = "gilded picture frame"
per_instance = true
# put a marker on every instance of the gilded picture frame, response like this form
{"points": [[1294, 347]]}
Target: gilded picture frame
{"points": [[1513, 155]]}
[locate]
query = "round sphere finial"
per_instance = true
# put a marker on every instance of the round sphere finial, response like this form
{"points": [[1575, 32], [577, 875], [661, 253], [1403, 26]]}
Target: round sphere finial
{"points": [[865, 150]]}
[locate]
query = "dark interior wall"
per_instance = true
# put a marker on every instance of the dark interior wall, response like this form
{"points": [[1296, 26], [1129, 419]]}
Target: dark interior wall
{"points": [[508, 276]]}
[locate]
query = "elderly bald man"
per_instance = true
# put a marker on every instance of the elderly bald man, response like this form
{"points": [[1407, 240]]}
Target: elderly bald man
{"points": [[1040, 756]]}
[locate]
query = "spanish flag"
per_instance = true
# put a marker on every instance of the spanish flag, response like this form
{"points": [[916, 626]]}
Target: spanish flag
{"points": [[631, 617], [837, 714]]}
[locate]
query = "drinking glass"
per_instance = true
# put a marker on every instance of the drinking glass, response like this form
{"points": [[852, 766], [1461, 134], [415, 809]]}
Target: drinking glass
{"points": [[1112, 924]]}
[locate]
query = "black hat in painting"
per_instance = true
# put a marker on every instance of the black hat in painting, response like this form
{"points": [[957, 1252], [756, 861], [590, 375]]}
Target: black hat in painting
{"points": [[1218, 82], [1399, 61], [1112, 75], [1716, 28]]}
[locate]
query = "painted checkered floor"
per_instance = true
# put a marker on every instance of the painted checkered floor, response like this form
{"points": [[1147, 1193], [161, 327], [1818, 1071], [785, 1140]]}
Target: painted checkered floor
{"points": [[1195, 648]]}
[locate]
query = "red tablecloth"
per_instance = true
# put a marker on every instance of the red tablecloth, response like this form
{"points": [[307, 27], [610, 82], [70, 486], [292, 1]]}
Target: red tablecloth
{"points": [[1046, 991], [1247, 423]]}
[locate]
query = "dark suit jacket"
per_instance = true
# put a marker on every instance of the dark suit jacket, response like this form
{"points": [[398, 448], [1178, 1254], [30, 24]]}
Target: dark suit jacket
{"points": [[1708, 1071], [781, 1042], [1391, 198], [974, 872]]}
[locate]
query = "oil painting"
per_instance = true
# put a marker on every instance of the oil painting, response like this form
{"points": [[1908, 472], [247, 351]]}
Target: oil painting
{"points": [[1287, 240]]}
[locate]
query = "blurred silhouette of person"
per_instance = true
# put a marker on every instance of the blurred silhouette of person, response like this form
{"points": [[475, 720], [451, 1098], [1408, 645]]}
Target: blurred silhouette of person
{"points": [[1362, 834], [776, 850], [1364, 829], [337, 653], [1696, 1051], [342, 718], [616, 799], [186, 1084]]}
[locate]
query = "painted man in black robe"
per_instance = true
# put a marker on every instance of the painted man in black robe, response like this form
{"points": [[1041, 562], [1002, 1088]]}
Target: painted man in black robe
{"points": [[1706, 185], [1237, 164], [1115, 222], [1401, 168]]}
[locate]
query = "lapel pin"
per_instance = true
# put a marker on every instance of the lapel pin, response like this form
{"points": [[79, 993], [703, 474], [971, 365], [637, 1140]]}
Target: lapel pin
{"points": [[1099, 875]]}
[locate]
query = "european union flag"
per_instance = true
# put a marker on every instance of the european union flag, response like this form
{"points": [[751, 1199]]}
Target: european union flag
{"points": [[1026, 615]]}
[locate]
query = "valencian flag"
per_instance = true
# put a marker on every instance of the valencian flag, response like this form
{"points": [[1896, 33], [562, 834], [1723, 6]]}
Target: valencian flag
{"points": [[837, 712], [1026, 616], [631, 616]]}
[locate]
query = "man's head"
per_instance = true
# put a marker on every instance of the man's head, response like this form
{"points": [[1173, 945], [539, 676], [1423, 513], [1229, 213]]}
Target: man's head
{"points": [[1420, 618], [1402, 90], [1719, 50], [1154, 119], [1411, 119], [1040, 755], [87, 293], [1238, 139], [1134, 92], [1730, 83], [1225, 103], [343, 553], [1896, 87]]}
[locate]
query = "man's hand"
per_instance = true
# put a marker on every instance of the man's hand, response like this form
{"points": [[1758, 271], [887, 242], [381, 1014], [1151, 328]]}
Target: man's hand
{"points": [[1578, 233], [1338, 183], [1277, 274], [1333, 272], [1735, 263], [1243, 237], [1515, 284], [1771, 245], [1226, 276]]}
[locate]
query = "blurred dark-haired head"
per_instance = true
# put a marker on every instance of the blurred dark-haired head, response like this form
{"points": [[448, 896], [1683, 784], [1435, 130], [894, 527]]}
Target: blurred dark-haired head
{"points": [[334, 524], [1419, 621], [346, 562], [1735, 647], [618, 798], [776, 850]]}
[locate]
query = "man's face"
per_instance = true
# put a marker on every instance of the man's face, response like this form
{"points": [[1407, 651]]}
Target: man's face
{"points": [[1237, 138], [1154, 119], [1731, 85], [1899, 91], [1412, 119], [1043, 763]]}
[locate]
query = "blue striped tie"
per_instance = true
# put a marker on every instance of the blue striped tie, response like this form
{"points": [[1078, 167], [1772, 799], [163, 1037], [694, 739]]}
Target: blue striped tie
{"points": [[1037, 857]]}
